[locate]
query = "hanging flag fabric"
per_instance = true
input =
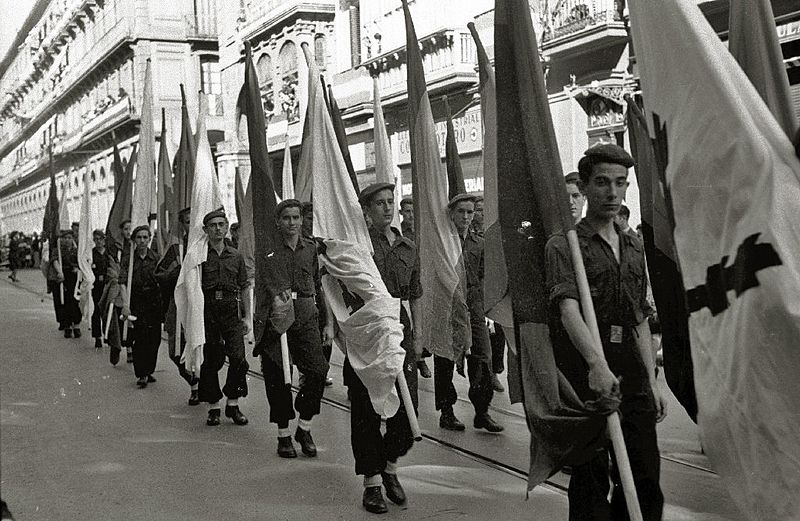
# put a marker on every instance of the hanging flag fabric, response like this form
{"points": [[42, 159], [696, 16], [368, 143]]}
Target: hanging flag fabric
{"points": [[662, 264], [189, 300], [532, 208], [371, 328], [85, 245], [455, 174], [445, 330], [144, 195], [167, 213], [50, 222], [305, 177], [123, 199], [753, 41], [287, 179], [734, 181], [184, 161], [64, 222], [244, 213], [386, 170], [341, 137]]}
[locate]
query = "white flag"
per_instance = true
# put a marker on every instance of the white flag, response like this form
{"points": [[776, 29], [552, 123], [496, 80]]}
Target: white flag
{"points": [[85, 245], [145, 203], [386, 171], [735, 184], [286, 179]]}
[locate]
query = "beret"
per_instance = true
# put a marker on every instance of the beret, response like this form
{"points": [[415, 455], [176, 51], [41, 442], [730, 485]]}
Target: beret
{"points": [[188, 209], [75, 223], [287, 203], [235, 226], [609, 153], [98, 233], [123, 223], [407, 200], [140, 228], [214, 215], [308, 206], [459, 198], [366, 194], [62, 233], [571, 178]]}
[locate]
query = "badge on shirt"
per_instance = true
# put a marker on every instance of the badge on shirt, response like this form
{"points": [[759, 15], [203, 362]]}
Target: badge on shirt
{"points": [[616, 335], [218, 295], [294, 295]]}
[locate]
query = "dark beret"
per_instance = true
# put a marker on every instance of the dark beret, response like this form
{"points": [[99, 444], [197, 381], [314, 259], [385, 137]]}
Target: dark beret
{"points": [[214, 215], [609, 153], [75, 223], [99, 233], [478, 198], [235, 226], [407, 200], [140, 228], [461, 197], [123, 223], [367, 193], [188, 209], [287, 203], [308, 206], [571, 178]]}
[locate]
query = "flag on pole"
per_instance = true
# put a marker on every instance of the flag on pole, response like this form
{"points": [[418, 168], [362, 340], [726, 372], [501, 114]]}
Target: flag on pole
{"points": [[455, 174], [753, 41], [85, 245], [50, 223], [189, 301], [123, 199], [184, 161], [341, 137], [244, 213], [386, 170], [167, 213], [305, 177], [734, 181], [372, 328], [445, 329], [662, 262], [532, 208], [64, 222], [287, 179], [144, 196]]}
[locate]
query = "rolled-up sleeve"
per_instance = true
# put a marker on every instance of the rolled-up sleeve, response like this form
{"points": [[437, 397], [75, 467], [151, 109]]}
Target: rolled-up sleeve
{"points": [[560, 275]]}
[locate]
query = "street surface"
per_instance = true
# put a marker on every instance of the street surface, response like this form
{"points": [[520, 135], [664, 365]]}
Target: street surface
{"points": [[79, 440]]}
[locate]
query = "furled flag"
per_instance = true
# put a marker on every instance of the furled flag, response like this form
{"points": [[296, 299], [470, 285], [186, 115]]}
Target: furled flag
{"points": [[304, 181], [533, 207], [85, 245], [662, 261], [386, 170], [123, 199], [167, 212], [734, 180], [189, 301], [144, 195], [445, 327], [51, 211], [184, 162], [64, 222], [455, 174], [287, 179], [244, 214], [753, 41], [371, 328], [341, 137]]}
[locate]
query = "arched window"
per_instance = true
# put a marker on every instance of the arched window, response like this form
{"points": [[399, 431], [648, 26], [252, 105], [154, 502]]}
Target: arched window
{"points": [[102, 174], [287, 96], [320, 50], [265, 81], [93, 177]]}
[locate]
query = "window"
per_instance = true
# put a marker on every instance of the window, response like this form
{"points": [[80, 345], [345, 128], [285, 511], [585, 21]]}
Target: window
{"points": [[211, 84], [264, 68], [319, 51], [287, 96]]}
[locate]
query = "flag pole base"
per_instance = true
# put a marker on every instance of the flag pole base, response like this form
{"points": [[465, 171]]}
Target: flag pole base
{"points": [[624, 467], [287, 369], [405, 395], [110, 316]]}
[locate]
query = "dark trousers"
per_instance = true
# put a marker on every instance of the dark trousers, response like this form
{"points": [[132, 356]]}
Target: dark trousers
{"points": [[146, 340], [498, 342], [58, 307], [97, 316], [176, 351], [371, 448], [589, 485], [480, 383], [224, 337]]}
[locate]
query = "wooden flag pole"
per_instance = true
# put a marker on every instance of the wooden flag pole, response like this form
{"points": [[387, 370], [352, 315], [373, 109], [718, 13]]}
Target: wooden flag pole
{"points": [[178, 332], [61, 272], [128, 292], [405, 395], [287, 369], [110, 315], [614, 425]]}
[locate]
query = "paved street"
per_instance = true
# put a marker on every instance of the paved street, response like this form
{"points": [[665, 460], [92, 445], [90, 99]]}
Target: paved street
{"points": [[80, 441]]}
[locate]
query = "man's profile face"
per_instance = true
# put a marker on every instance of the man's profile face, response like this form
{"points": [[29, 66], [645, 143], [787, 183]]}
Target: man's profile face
{"points": [[126, 230], [576, 201], [605, 190], [461, 215], [216, 228], [184, 219], [407, 213], [290, 221], [381, 208]]}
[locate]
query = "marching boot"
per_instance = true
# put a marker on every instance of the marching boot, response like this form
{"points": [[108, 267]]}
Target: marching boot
{"points": [[424, 370], [98, 344], [67, 332], [286, 448], [233, 412], [373, 501], [496, 385], [394, 490], [213, 417], [484, 421], [194, 398], [76, 332], [303, 437], [448, 421], [142, 382], [150, 379]]}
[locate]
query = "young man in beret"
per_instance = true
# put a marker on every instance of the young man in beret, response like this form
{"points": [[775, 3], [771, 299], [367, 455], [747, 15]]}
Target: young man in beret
{"points": [[461, 210], [144, 312], [115, 251], [377, 454], [299, 255], [615, 270], [227, 301]]}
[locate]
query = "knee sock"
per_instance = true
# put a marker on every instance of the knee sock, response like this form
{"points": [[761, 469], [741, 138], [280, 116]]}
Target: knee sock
{"points": [[391, 467], [195, 386], [304, 424], [212, 406], [232, 402], [283, 432], [372, 481]]}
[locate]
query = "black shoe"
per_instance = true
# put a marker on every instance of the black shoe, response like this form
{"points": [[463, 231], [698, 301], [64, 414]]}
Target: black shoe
{"points": [[394, 490], [233, 412], [213, 418], [113, 356], [130, 357], [76, 333], [67, 332], [98, 344], [150, 379], [142, 382], [194, 399], [449, 421], [303, 437], [484, 421], [61, 327], [424, 371], [373, 501], [286, 448]]}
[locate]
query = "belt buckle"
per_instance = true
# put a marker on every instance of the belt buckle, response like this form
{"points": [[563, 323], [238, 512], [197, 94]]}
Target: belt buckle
{"points": [[218, 295], [616, 335]]}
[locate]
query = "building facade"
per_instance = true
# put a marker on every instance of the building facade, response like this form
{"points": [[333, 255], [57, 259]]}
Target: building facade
{"points": [[72, 81]]}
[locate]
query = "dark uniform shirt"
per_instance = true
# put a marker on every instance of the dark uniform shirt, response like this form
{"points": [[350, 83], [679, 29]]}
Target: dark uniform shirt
{"points": [[408, 231], [144, 291], [619, 294], [398, 264], [99, 266], [69, 258], [224, 272], [302, 266], [168, 270]]}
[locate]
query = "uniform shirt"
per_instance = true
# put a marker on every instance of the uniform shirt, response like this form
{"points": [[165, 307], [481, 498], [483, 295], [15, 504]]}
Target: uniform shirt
{"points": [[116, 250], [619, 295], [302, 266], [144, 292], [398, 264], [99, 266], [168, 270], [69, 258], [408, 231], [224, 272], [472, 252]]}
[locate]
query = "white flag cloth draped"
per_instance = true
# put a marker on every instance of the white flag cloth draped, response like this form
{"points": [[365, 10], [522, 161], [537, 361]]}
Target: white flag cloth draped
{"points": [[189, 301], [386, 171], [145, 203], [287, 179], [85, 245], [372, 332], [64, 222], [735, 184]]}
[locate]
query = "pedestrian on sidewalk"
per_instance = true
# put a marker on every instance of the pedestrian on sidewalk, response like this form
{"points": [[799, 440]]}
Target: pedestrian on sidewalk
{"points": [[145, 311], [299, 255], [99, 267], [13, 255]]}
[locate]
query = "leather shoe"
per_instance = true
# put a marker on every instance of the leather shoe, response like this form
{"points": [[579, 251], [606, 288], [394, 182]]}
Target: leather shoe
{"points": [[98, 344], [449, 421], [142, 382], [67, 332], [484, 421], [303, 437], [286, 448], [233, 412], [194, 398], [373, 501], [394, 490], [150, 379], [213, 418], [424, 371], [76, 333]]}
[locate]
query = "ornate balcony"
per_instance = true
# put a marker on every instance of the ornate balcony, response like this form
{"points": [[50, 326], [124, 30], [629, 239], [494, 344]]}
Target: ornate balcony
{"points": [[574, 23]]}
